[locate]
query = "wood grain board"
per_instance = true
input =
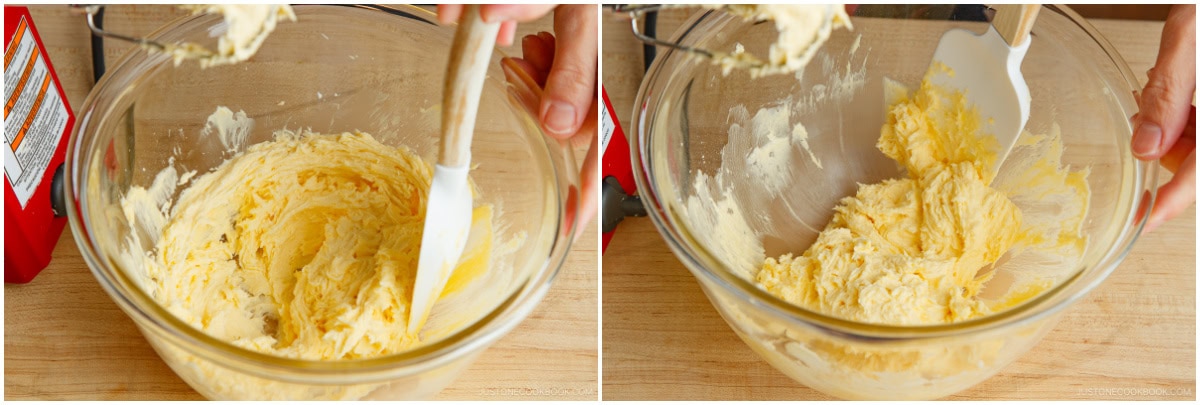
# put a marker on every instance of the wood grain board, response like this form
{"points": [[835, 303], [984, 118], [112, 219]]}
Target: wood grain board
{"points": [[1134, 337], [64, 338]]}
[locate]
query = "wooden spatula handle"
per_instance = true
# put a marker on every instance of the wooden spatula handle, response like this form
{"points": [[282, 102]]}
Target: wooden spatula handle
{"points": [[469, 57], [1014, 21]]}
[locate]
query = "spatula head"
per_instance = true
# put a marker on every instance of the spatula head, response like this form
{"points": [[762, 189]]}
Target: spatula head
{"points": [[447, 222], [988, 70]]}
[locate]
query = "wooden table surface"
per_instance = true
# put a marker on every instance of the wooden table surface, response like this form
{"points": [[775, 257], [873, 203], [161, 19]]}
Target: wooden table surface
{"points": [[1134, 337], [64, 338]]}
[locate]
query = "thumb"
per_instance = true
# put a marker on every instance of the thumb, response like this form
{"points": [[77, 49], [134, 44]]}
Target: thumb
{"points": [[571, 83], [1167, 98]]}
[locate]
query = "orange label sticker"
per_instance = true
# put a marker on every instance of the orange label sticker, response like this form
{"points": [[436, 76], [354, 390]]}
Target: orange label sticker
{"points": [[35, 115]]}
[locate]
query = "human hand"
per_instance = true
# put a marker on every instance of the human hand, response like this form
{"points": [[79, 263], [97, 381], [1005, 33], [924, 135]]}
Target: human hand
{"points": [[1165, 127], [566, 68]]}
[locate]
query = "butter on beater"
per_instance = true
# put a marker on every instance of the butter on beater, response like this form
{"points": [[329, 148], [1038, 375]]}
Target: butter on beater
{"points": [[247, 26], [803, 28]]}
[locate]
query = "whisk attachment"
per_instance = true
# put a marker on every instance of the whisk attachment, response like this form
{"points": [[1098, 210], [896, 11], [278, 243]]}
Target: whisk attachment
{"points": [[803, 29], [90, 10], [635, 13]]}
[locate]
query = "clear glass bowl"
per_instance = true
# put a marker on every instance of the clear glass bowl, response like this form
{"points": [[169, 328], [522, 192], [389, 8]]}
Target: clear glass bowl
{"points": [[336, 69], [685, 115]]}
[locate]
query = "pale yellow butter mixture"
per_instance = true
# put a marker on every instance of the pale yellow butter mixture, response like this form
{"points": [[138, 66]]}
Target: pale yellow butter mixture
{"points": [[246, 28], [803, 29], [916, 250], [305, 247]]}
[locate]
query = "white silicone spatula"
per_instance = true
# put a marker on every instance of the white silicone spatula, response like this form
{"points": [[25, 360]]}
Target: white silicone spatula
{"points": [[448, 210], [988, 68]]}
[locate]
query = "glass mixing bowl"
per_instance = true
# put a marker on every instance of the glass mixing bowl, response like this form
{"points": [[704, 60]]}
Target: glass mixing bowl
{"points": [[691, 121], [336, 69]]}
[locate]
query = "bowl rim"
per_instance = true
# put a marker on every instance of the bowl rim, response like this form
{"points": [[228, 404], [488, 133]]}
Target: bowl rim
{"points": [[712, 271], [149, 314]]}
